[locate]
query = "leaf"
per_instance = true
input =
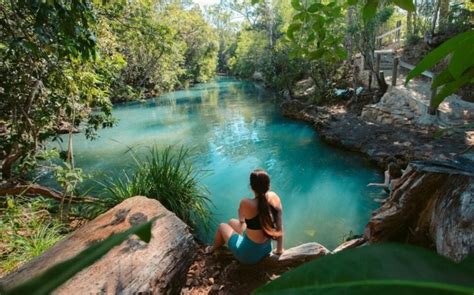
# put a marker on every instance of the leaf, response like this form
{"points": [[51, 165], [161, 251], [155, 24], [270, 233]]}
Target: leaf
{"points": [[315, 7], [297, 5], [405, 4], [442, 78], [452, 87], [463, 58], [300, 16], [351, 2], [54, 277], [293, 54], [316, 54], [376, 269], [439, 53], [468, 263], [341, 53], [292, 28], [369, 9]]}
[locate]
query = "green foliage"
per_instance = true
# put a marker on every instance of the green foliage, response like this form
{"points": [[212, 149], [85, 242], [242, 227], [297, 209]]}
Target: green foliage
{"points": [[250, 51], [26, 231], [413, 39], [51, 72], [317, 32], [370, 7], [377, 269], [165, 46], [460, 70], [63, 62], [164, 175], [48, 281], [69, 178]]}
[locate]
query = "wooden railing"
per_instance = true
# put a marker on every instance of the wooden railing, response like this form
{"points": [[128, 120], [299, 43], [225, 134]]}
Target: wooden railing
{"points": [[397, 32], [395, 65]]}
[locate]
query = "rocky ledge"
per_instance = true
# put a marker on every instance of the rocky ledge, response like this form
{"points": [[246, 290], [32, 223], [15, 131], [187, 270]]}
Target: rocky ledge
{"points": [[220, 273], [341, 127], [431, 206]]}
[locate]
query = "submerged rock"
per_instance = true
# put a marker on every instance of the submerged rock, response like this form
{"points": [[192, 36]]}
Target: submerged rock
{"points": [[431, 206], [132, 267]]}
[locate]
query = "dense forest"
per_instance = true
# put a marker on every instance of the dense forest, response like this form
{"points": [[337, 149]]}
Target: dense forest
{"points": [[64, 64]]}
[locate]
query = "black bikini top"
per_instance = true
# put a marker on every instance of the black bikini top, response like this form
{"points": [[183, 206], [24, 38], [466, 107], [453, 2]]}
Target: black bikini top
{"points": [[254, 222]]}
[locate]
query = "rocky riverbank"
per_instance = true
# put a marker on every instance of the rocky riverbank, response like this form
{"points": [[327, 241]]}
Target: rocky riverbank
{"points": [[339, 125], [432, 204]]}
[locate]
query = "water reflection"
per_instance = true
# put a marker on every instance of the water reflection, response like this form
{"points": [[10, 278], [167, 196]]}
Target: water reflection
{"points": [[235, 127]]}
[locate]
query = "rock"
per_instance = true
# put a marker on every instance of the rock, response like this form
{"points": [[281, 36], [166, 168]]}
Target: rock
{"points": [[291, 108], [304, 88], [132, 267], [297, 255], [349, 244], [257, 76], [431, 206]]}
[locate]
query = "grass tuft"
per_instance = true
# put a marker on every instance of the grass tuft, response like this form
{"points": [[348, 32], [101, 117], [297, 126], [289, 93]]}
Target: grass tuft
{"points": [[167, 176], [26, 231]]}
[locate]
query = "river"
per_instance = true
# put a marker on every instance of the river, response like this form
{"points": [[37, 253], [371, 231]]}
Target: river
{"points": [[233, 127]]}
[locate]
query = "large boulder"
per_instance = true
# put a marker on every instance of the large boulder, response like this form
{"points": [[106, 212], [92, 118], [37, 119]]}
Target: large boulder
{"points": [[132, 267], [431, 206]]}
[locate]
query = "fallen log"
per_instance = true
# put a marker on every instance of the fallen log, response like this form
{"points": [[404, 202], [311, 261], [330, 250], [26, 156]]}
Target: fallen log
{"points": [[133, 267], [34, 189]]}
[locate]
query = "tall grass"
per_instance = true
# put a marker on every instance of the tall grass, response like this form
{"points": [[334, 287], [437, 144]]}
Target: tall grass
{"points": [[167, 176], [26, 231]]}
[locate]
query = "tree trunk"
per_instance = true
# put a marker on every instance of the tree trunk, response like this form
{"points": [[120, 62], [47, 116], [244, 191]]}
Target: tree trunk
{"points": [[409, 24], [133, 267], [435, 18], [348, 41], [415, 20], [443, 15]]}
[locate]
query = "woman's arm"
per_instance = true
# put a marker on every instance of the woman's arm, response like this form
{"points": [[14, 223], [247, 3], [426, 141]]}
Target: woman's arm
{"points": [[279, 224], [385, 182], [241, 212], [276, 203]]}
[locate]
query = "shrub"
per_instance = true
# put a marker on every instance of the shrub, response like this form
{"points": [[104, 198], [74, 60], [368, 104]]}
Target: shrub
{"points": [[166, 176]]}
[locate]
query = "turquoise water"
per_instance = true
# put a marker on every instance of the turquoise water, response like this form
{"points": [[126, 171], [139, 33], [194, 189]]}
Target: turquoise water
{"points": [[235, 127]]}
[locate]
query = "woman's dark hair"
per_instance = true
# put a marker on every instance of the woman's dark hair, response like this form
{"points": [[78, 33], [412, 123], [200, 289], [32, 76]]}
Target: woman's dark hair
{"points": [[260, 183], [394, 170]]}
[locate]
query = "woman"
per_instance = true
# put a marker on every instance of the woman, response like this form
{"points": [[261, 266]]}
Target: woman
{"points": [[260, 221], [392, 175]]}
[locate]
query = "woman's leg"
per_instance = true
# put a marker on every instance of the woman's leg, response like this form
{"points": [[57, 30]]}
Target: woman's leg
{"points": [[237, 226], [223, 234]]}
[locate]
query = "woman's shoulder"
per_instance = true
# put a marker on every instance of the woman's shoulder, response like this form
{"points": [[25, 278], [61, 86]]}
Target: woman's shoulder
{"points": [[246, 201], [274, 199]]}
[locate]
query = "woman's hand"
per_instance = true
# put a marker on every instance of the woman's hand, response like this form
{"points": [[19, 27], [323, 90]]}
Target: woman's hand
{"points": [[278, 252]]}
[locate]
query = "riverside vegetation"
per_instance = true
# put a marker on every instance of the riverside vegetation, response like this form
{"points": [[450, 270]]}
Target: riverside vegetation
{"points": [[63, 64]]}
